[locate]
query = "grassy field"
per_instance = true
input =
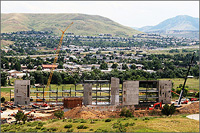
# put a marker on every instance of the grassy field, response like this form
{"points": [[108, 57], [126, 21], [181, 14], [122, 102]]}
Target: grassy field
{"points": [[178, 123], [192, 83], [166, 51]]}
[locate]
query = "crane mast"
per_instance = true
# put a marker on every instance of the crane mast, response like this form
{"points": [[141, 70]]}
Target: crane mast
{"points": [[55, 59]]}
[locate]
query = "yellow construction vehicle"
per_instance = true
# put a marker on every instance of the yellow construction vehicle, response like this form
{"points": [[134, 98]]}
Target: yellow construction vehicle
{"points": [[54, 63]]}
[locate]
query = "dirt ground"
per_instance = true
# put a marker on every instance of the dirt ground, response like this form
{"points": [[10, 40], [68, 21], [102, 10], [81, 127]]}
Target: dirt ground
{"points": [[87, 113], [192, 108]]}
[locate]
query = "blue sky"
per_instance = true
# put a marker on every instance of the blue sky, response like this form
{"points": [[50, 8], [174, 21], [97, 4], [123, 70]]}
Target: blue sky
{"points": [[129, 13]]}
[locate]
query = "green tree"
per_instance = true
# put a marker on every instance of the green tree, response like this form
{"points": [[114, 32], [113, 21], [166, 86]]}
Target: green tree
{"points": [[39, 68], [124, 66], [133, 67], [17, 66], [114, 65], [60, 66], [178, 90], [104, 66], [30, 66], [4, 76], [2, 99], [56, 78], [93, 67], [7, 65], [19, 116]]}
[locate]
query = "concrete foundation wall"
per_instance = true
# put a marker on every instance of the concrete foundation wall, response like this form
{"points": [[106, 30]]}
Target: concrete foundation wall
{"points": [[87, 94], [130, 93], [22, 92], [165, 87], [114, 91]]}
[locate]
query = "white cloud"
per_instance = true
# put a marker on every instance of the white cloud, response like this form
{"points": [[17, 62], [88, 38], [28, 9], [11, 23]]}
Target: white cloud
{"points": [[130, 13]]}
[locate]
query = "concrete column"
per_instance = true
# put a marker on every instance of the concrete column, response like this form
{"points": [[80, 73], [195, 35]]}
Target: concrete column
{"points": [[130, 93], [22, 92], [165, 87], [114, 91], [87, 94]]}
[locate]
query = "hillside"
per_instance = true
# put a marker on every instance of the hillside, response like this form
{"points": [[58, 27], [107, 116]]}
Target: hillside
{"points": [[83, 24], [181, 22]]}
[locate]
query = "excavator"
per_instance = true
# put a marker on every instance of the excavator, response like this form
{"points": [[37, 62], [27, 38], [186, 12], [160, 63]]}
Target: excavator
{"points": [[156, 105], [54, 63]]}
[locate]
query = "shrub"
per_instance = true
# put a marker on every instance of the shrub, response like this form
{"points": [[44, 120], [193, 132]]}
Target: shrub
{"points": [[70, 130], [64, 120], [75, 121], [12, 99], [83, 121], [38, 127], [101, 130], [91, 129], [44, 129], [53, 129], [3, 100], [70, 120], [31, 130], [131, 124], [82, 127], [32, 124], [168, 110], [108, 120], [121, 128], [145, 118], [122, 113], [126, 124], [115, 125], [68, 126], [59, 114], [92, 122], [126, 112]]}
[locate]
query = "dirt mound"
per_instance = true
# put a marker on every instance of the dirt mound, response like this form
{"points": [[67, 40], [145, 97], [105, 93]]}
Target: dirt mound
{"points": [[88, 113], [191, 108]]}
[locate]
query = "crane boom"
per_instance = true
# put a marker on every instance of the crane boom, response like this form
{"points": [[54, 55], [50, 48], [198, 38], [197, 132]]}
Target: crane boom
{"points": [[55, 59], [181, 94]]}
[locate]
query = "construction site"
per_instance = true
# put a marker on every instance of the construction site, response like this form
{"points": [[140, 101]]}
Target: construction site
{"points": [[96, 99], [92, 99]]}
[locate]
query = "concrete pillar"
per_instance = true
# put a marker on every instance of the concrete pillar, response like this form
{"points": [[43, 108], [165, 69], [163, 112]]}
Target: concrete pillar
{"points": [[114, 91], [165, 87], [22, 92], [87, 94], [130, 93]]}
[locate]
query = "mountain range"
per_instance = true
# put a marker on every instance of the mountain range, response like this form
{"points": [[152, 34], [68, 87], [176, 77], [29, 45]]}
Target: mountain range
{"points": [[182, 26], [83, 24]]}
